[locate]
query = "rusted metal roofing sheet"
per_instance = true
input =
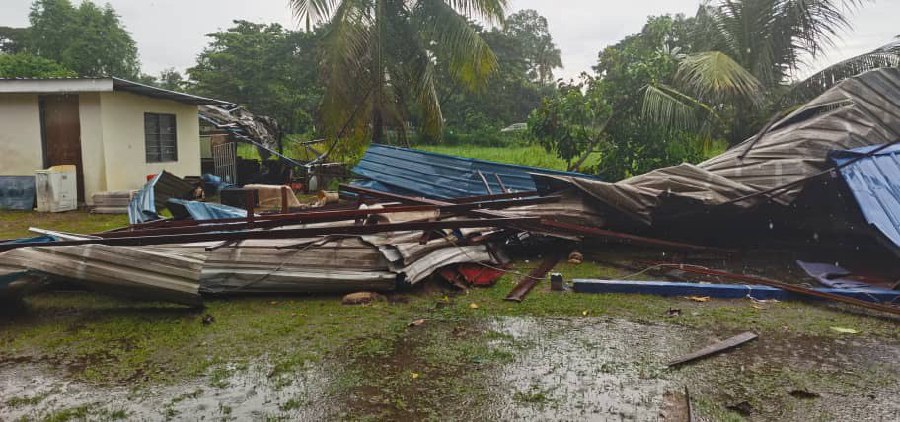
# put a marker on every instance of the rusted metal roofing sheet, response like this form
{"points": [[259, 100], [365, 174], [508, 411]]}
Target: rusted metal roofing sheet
{"points": [[875, 182]]}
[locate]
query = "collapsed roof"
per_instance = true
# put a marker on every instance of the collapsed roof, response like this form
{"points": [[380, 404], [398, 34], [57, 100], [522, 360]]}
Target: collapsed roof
{"points": [[770, 167], [243, 124]]}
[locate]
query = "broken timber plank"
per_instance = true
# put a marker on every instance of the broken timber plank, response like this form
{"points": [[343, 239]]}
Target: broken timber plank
{"points": [[518, 293], [714, 348]]}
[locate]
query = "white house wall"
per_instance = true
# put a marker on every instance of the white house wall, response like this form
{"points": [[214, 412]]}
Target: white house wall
{"points": [[92, 150], [20, 135], [123, 139]]}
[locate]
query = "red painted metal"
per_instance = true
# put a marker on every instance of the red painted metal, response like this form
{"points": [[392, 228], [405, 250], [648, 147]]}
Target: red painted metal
{"points": [[472, 274]]}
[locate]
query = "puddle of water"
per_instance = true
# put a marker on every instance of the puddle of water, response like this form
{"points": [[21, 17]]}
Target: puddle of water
{"points": [[585, 369], [36, 391]]}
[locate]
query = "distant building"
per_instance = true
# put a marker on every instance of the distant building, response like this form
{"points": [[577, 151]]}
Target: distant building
{"points": [[115, 131]]}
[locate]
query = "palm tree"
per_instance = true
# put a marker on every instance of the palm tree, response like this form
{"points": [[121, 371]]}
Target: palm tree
{"points": [[379, 60], [748, 52]]}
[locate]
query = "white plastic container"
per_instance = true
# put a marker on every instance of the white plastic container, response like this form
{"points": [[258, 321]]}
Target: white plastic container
{"points": [[57, 189]]}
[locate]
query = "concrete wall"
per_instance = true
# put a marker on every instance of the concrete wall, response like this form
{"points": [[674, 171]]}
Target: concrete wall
{"points": [[20, 135], [112, 139], [92, 149], [123, 139]]}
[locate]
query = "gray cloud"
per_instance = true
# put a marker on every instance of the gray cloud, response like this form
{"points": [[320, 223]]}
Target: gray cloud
{"points": [[170, 33]]}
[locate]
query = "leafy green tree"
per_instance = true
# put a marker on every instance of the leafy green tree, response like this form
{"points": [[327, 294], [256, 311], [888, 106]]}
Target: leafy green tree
{"points": [[171, 79], [748, 53], [266, 68], [24, 65], [88, 39], [626, 143], [51, 28], [168, 78], [532, 32], [12, 40], [510, 94], [572, 122], [378, 60]]}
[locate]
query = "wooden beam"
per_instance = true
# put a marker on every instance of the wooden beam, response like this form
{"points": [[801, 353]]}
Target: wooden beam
{"points": [[715, 348], [518, 293]]}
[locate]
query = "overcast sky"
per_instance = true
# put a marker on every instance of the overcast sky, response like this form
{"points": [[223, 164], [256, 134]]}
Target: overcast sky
{"points": [[170, 33]]}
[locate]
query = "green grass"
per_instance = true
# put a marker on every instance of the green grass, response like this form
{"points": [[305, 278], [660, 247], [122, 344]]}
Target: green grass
{"points": [[15, 224], [525, 155], [393, 371]]}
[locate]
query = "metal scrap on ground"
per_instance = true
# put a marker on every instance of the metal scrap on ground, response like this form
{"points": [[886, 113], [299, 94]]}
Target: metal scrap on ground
{"points": [[415, 214]]}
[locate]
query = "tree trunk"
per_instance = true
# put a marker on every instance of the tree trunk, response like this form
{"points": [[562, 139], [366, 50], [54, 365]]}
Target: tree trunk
{"points": [[377, 128]]}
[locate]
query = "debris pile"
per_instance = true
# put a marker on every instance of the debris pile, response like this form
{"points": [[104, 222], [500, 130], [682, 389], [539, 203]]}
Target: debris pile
{"points": [[414, 214]]}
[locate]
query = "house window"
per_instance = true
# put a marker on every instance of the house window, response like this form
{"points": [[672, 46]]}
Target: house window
{"points": [[160, 137]]}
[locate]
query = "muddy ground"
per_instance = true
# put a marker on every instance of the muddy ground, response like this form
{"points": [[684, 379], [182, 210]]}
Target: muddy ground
{"points": [[556, 356]]}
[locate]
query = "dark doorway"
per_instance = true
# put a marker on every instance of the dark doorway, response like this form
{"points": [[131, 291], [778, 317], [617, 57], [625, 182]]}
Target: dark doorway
{"points": [[61, 134]]}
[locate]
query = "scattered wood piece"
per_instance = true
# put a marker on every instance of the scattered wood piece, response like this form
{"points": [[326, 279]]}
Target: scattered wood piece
{"points": [[518, 293], [715, 348]]}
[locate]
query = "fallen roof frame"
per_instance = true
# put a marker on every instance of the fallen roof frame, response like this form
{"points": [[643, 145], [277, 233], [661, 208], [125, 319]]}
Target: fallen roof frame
{"points": [[284, 234], [546, 226]]}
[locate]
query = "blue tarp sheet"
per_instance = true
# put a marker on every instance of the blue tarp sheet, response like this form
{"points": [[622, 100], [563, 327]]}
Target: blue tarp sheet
{"points": [[875, 183], [203, 210], [10, 277], [439, 176]]}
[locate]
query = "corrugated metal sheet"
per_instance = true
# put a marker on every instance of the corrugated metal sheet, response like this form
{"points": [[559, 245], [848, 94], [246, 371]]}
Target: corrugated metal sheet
{"points": [[203, 210], [860, 111], [327, 265], [875, 183], [439, 176], [153, 196], [140, 273]]}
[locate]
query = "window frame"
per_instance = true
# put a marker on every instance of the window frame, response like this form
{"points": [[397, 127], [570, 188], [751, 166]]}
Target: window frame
{"points": [[160, 139]]}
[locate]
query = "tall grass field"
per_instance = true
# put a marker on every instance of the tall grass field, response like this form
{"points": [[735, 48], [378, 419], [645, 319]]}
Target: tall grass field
{"points": [[524, 155]]}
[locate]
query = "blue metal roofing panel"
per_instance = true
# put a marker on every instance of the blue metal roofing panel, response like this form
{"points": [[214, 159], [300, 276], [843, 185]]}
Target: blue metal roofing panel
{"points": [[142, 207], [441, 176], [203, 210], [875, 182]]}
